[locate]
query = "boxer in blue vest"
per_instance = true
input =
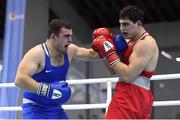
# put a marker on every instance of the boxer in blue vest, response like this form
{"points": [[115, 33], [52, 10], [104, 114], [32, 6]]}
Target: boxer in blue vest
{"points": [[43, 70]]}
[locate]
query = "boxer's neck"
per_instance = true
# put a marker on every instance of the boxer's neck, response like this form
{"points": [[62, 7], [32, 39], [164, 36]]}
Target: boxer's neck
{"points": [[138, 35], [52, 50]]}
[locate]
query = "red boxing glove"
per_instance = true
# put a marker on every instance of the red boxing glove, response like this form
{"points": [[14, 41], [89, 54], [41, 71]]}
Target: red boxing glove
{"points": [[105, 47], [102, 31]]}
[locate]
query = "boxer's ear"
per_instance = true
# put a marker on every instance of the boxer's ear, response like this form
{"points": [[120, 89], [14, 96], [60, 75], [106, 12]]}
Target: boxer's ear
{"points": [[139, 23], [53, 36]]}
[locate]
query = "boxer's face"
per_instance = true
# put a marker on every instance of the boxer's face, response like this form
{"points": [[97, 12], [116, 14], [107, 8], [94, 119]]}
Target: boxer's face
{"points": [[128, 28], [64, 39]]}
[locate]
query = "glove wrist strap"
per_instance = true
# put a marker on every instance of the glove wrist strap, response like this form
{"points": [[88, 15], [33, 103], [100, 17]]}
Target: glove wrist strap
{"points": [[43, 89], [112, 58]]}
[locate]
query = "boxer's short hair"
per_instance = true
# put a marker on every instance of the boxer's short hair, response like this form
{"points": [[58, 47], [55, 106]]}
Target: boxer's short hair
{"points": [[55, 26], [132, 13]]}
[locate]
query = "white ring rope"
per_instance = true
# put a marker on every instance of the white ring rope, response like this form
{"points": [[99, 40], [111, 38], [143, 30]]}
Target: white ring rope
{"points": [[104, 80], [94, 106], [109, 82], [66, 107]]}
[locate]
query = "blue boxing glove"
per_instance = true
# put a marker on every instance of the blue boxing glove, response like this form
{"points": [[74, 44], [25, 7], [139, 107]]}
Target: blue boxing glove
{"points": [[120, 43], [58, 92]]}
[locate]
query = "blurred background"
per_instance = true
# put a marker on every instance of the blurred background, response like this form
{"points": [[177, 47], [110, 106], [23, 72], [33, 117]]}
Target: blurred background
{"points": [[24, 23]]}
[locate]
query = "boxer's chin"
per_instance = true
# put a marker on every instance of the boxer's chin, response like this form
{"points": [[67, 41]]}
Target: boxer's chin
{"points": [[125, 35]]}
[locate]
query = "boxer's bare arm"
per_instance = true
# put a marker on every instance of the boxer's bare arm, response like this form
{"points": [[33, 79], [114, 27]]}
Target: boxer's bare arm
{"points": [[28, 67], [76, 51], [139, 59]]}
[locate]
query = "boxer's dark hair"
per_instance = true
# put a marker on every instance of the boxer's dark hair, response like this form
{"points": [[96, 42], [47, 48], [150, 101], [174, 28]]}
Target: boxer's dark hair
{"points": [[55, 26], [132, 13]]}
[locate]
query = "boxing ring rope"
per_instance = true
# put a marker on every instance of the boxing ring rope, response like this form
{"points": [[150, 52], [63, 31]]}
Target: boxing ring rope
{"points": [[108, 82]]}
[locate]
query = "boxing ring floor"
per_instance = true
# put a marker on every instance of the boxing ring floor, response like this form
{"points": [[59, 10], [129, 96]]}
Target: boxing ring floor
{"points": [[109, 82]]}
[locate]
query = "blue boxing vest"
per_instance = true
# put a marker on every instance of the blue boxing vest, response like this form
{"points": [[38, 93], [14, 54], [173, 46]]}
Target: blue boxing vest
{"points": [[49, 74]]}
